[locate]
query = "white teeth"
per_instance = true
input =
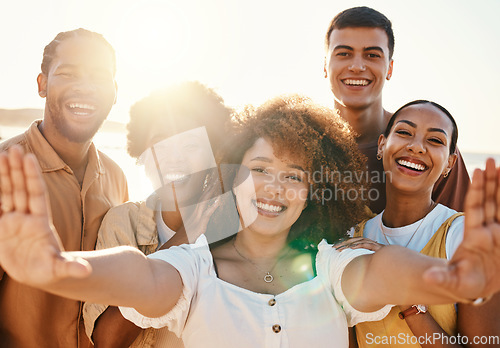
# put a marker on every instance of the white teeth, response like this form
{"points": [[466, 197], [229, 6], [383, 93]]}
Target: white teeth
{"points": [[175, 176], [415, 166], [356, 82], [82, 106], [269, 207]]}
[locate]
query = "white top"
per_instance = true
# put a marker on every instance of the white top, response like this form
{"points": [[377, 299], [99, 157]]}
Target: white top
{"points": [[164, 232], [402, 235], [215, 313]]}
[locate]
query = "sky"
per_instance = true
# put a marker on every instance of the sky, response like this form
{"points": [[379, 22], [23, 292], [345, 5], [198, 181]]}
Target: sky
{"points": [[249, 51]]}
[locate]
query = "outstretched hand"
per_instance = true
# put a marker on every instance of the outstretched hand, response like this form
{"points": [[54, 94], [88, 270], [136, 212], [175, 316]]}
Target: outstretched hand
{"points": [[30, 250], [474, 270]]}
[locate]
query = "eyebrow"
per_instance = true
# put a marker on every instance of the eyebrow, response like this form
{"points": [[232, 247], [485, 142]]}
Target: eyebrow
{"points": [[370, 48], [66, 66], [428, 129], [374, 48], [437, 130], [268, 160]]}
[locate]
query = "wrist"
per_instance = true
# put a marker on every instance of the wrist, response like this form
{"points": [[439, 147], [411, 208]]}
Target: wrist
{"points": [[413, 310]]}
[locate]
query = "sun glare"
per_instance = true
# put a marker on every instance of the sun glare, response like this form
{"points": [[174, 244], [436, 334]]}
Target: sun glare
{"points": [[155, 38]]}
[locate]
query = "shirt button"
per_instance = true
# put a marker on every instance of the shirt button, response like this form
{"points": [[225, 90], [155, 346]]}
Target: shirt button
{"points": [[276, 328], [272, 302]]}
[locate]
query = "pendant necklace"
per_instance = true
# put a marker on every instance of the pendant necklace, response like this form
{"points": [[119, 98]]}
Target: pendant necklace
{"points": [[268, 278]]}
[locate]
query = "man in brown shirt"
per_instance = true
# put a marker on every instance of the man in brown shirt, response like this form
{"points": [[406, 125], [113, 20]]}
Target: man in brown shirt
{"points": [[78, 82], [359, 45]]}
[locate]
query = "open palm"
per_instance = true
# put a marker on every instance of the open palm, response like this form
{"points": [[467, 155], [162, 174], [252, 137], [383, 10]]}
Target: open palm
{"points": [[473, 271], [30, 250]]}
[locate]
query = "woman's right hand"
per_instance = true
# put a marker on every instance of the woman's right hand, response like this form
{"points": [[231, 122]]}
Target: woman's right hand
{"points": [[30, 249]]}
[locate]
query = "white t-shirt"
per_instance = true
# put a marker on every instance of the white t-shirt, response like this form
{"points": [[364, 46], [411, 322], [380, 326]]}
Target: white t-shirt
{"points": [[430, 224], [164, 232], [215, 313]]}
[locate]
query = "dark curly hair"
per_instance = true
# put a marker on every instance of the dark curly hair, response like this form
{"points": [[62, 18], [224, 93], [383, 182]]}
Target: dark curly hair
{"points": [[184, 106], [361, 17], [322, 142], [50, 50]]}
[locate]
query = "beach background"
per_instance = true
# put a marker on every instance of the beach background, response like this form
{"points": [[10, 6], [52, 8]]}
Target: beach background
{"points": [[249, 51], [113, 144]]}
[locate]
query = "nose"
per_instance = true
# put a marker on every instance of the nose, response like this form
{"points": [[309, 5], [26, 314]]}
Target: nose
{"points": [[416, 146], [174, 154], [84, 85], [358, 65], [274, 186]]}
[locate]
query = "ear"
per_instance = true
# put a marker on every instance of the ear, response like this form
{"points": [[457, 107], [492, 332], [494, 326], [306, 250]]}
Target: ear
{"points": [[452, 159], [41, 80], [324, 69], [381, 144], [389, 71]]}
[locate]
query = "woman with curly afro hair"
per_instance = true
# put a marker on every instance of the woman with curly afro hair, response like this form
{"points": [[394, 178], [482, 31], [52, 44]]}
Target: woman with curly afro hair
{"points": [[259, 287]]}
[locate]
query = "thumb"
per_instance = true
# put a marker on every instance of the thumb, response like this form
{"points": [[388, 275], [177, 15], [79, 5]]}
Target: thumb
{"points": [[72, 267], [438, 275]]}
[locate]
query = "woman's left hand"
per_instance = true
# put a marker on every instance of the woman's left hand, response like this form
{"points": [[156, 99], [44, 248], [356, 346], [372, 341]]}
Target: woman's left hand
{"points": [[473, 271]]}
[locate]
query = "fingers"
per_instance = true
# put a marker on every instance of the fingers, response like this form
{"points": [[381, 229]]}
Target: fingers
{"points": [[35, 186], [21, 183], [358, 243], [347, 242], [490, 188], [19, 195], [5, 184], [441, 276], [474, 202]]}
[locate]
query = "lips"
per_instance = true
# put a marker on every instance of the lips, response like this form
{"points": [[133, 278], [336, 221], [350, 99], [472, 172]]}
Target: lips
{"points": [[269, 208], [175, 176], [81, 109], [351, 82], [412, 164]]}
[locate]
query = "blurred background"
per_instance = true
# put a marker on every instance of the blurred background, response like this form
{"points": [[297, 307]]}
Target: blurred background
{"points": [[446, 51]]}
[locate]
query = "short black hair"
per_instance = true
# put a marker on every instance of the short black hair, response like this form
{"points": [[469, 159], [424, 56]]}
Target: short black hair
{"points": [[364, 17], [454, 133], [50, 49]]}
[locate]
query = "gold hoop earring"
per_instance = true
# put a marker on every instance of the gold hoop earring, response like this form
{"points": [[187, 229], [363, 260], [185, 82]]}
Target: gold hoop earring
{"points": [[379, 156], [446, 174]]}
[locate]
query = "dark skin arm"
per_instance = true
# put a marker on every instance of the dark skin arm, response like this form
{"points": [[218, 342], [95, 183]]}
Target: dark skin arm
{"points": [[424, 325], [113, 330], [471, 321], [353, 342], [480, 321]]}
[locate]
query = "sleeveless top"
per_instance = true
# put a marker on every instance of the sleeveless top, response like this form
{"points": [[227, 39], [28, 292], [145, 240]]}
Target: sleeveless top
{"points": [[393, 331]]}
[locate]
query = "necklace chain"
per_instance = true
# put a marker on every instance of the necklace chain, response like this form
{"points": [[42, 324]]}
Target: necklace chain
{"points": [[268, 277], [433, 204]]}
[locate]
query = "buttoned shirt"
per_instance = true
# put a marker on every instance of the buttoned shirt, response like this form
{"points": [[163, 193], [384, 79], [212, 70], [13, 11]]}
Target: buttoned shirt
{"points": [[212, 313], [33, 318]]}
